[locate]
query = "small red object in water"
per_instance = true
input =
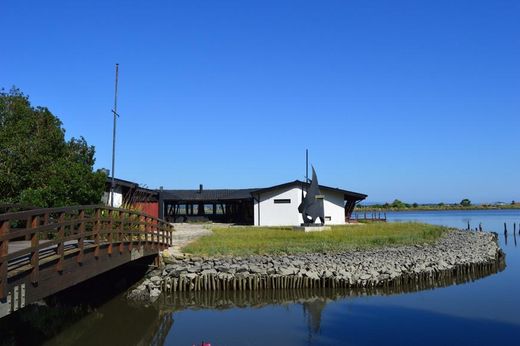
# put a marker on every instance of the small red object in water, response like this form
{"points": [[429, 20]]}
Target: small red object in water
{"points": [[204, 344]]}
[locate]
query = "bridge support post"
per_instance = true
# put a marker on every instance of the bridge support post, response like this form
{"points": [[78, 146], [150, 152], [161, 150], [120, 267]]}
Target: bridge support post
{"points": [[81, 239], [111, 230], [130, 234], [35, 252], [147, 230], [97, 229], [141, 228], [121, 230], [153, 235], [4, 249], [61, 245]]}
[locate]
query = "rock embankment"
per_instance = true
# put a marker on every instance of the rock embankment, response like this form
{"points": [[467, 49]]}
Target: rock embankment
{"points": [[457, 252]]}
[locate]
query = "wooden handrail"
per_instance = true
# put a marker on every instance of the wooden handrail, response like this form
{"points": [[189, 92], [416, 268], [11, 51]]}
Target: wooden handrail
{"points": [[4, 251], [27, 213], [54, 228]]}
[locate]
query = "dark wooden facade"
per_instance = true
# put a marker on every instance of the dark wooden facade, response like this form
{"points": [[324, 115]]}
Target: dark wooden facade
{"points": [[224, 206]]}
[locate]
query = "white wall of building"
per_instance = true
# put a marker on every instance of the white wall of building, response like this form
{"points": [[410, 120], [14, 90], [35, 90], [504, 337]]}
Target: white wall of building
{"points": [[269, 213], [278, 214], [118, 197], [334, 205]]}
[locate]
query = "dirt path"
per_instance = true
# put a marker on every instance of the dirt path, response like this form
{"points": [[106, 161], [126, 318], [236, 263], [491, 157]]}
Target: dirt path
{"points": [[184, 234]]}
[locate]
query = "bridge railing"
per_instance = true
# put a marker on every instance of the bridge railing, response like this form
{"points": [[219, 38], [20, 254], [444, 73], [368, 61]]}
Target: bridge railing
{"points": [[53, 233]]}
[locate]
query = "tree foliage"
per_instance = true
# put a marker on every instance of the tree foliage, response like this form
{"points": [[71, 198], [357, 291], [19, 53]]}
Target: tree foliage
{"points": [[397, 204], [37, 165], [465, 202]]}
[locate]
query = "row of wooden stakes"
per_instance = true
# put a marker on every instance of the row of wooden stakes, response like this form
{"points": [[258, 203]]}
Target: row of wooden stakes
{"points": [[211, 282]]}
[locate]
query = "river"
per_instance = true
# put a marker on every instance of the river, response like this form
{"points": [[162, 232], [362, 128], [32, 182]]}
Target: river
{"points": [[477, 312]]}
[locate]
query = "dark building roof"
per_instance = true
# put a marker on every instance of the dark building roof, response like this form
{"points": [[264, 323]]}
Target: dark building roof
{"points": [[121, 182], [346, 193], [129, 185], [207, 195], [236, 194]]}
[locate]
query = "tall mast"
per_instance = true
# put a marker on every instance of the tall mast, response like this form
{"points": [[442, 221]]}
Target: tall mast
{"points": [[113, 183], [306, 165]]}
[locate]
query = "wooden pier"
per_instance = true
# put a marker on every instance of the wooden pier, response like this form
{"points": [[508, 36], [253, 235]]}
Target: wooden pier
{"points": [[370, 216]]}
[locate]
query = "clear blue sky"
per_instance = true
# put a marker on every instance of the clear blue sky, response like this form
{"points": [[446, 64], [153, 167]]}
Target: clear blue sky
{"points": [[416, 100]]}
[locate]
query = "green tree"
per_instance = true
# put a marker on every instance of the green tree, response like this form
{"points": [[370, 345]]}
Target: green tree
{"points": [[465, 202], [415, 205], [37, 165], [398, 204]]}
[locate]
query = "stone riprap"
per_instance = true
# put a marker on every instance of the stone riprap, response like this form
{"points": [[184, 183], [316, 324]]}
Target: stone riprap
{"points": [[456, 252]]}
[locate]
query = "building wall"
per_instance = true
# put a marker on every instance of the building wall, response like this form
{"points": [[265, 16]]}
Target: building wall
{"points": [[334, 205], [118, 197], [286, 214], [272, 214], [150, 208]]}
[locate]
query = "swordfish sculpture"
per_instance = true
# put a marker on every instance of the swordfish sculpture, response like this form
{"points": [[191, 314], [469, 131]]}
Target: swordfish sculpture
{"points": [[311, 207]]}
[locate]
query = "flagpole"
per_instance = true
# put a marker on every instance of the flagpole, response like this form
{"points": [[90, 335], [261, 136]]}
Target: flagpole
{"points": [[112, 183]]}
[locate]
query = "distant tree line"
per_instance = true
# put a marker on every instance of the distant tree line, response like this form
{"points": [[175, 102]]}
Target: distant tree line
{"points": [[464, 204], [38, 167]]}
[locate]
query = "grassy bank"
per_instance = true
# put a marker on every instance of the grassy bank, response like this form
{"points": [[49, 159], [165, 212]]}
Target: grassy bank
{"points": [[243, 241]]}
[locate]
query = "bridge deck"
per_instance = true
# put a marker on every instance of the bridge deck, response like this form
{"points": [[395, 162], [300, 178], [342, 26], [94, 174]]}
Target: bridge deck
{"points": [[47, 254]]}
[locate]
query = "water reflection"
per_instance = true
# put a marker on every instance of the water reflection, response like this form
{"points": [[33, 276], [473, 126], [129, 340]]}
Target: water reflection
{"points": [[312, 301], [124, 323], [312, 310]]}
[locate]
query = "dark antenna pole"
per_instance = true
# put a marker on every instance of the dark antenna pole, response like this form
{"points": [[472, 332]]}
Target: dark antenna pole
{"points": [[113, 183], [306, 165]]}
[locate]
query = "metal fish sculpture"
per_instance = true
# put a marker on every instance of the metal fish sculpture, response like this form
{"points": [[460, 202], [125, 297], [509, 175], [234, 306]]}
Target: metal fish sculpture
{"points": [[311, 207]]}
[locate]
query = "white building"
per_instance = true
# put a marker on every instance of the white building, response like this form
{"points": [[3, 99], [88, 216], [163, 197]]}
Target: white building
{"points": [[278, 205]]}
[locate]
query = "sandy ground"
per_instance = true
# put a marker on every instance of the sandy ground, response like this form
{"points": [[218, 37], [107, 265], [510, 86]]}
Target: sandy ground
{"points": [[186, 233]]}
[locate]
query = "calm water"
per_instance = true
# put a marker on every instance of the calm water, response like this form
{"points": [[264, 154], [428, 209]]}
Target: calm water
{"points": [[481, 312]]}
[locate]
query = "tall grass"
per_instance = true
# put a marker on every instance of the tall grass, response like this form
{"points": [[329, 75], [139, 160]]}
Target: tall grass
{"points": [[243, 241]]}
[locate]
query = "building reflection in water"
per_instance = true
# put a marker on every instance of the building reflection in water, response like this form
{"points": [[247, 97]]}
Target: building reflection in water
{"points": [[312, 311]]}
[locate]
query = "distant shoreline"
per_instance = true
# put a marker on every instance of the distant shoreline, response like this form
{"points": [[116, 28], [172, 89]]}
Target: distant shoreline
{"points": [[433, 208]]}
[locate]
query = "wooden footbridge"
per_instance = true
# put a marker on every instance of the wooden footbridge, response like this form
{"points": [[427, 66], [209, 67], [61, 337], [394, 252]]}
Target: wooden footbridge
{"points": [[44, 251]]}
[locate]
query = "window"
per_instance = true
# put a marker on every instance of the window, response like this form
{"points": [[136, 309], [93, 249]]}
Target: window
{"points": [[181, 209], [221, 209], [328, 218], [282, 201], [208, 209]]}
